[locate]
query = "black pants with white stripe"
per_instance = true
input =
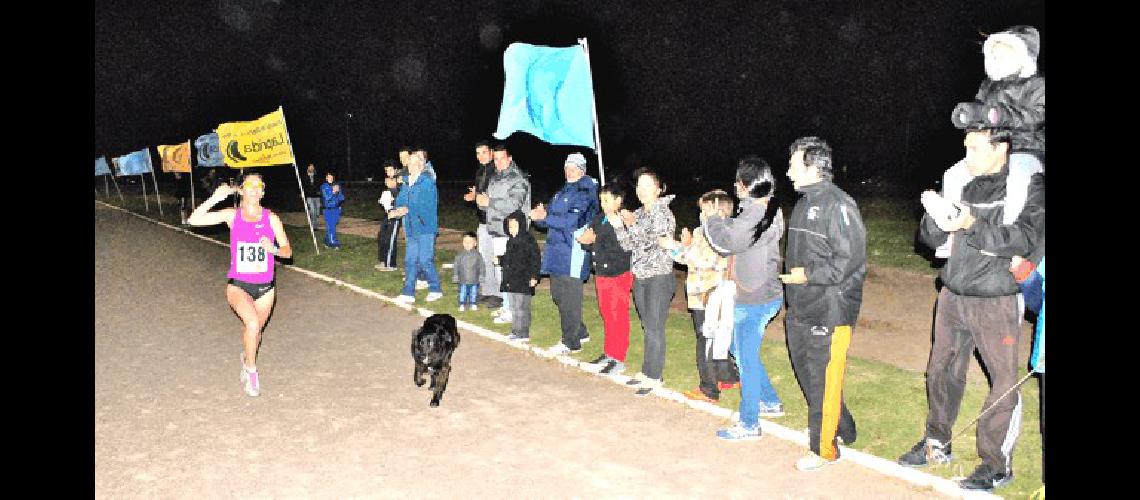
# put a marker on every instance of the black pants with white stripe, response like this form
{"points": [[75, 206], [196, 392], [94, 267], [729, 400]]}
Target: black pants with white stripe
{"points": [[990, 324], [386, 242]]}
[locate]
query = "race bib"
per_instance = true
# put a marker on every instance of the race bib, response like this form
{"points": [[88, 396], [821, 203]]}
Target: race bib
{"points": [[251, 258]]}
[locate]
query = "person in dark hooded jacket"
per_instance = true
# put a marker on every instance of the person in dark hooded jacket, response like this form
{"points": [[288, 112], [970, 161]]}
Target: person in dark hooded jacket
{"points": [[520, 263]]}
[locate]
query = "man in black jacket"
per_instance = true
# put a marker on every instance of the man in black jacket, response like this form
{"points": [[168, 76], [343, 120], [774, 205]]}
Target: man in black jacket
{"points": [[489, 282], [826, 262], [977, 306]]}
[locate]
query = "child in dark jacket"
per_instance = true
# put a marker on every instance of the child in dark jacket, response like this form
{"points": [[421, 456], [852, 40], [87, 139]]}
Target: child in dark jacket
{"points": [[521, 263], [612, 278]]}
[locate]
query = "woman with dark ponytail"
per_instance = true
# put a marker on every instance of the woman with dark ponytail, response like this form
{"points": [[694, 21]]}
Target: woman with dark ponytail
{"points": [[753, 239]]}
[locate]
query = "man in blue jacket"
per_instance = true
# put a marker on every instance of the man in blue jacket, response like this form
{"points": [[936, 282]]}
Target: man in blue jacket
{"points": [[417, 203], [570, 211]]}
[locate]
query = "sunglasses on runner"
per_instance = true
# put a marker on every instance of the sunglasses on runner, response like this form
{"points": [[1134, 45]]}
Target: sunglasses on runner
{"points": [[253, 185]]}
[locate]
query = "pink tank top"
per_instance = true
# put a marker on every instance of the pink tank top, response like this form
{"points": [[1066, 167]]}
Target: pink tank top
{"points": [[250, 262]]}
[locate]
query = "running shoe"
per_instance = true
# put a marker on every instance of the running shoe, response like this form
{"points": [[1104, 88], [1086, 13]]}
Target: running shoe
{"points": [[613, 367], [249, 382], [697, 395], [433, 296], [739, 432], [813, 462], [406, 299], [473, 307], [502, 319], [462, 307]]}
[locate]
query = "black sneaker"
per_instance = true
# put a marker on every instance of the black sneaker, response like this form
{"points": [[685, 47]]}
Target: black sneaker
{"points": [[917, 456], [600, 359], [985, 479], [613, 366]]}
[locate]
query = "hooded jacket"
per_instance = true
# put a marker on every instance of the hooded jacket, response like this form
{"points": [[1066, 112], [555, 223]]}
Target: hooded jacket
{"points": [[1015, 101], [569, 212], [521, 260], [509, 191], [757, 264], [979, 256], [827, 238]]}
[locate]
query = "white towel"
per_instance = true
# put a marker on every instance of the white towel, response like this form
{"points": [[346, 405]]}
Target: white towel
{"points": [[719, 321]]}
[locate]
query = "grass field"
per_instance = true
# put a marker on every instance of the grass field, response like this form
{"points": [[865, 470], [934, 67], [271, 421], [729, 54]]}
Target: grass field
{"points": [[889, 403]]}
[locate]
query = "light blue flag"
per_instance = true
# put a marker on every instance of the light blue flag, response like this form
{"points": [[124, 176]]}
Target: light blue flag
{"points": [[101, 167], [136, 163], [548, 94], [208, 153]]}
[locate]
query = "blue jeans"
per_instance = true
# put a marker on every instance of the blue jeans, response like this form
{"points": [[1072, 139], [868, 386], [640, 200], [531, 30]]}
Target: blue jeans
{"points": [[419, 257], [747, 333], [467, 293], [332, 217]]}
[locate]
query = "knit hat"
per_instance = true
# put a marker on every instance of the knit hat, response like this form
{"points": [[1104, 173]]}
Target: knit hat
{"points": [[577, 160], [1024, 39]]}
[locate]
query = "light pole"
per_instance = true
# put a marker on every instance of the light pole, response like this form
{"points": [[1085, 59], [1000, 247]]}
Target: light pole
{"points": [[348, 142]]}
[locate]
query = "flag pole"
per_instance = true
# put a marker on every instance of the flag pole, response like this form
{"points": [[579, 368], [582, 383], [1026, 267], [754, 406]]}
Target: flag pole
{"points": [[191, 176], [146, 203], [117, 190], [594, 108], [157, 200], [297, 171]]}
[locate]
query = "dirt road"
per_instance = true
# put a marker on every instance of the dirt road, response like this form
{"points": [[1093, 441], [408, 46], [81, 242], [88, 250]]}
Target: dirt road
{"points": [[340, 417]]}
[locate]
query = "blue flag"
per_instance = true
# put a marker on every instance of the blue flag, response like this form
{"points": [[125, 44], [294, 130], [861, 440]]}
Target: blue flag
{"points": [[208, 153], [548, 94], [101, 167], [136, 163]]}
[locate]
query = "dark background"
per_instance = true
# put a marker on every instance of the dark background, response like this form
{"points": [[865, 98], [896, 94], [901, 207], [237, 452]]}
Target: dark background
{"points": [[684, 87]]}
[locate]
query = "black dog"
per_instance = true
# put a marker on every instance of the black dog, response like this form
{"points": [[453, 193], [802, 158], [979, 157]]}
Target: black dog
{"points": [[432, 347]]}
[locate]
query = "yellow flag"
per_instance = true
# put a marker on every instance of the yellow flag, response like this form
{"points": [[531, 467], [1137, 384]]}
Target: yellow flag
{"points": [[176, 157], [259, 143]]}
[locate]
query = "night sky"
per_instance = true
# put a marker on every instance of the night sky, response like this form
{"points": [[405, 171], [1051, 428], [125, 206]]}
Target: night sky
{"points": [[685, 87]]}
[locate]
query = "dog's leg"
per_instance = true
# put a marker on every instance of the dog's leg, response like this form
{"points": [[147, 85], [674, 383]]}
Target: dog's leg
{"points": [[440, 384], [418, 375]]}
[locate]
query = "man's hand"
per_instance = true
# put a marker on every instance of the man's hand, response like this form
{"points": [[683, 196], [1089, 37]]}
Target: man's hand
{"points": [[539, 212], [796, 277], [397, 212], [470, 195], [482, 199], [686, 237], [587, 237], [390, 182], [336, 188]]}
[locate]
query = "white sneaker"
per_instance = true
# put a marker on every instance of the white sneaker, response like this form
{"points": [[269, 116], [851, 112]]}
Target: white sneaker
{"points": [[813, 462], [560, 349], [462, 307], [433, 296], [406, 299], [250, 382], [421, 285], [473, 307], [502, 319]]}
